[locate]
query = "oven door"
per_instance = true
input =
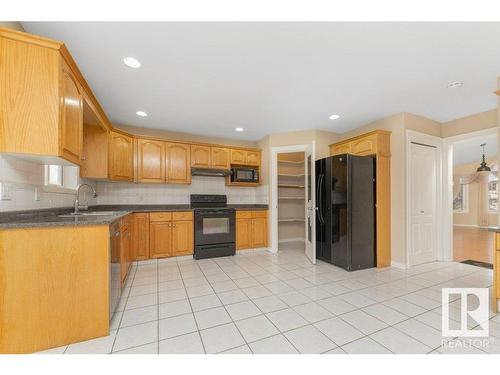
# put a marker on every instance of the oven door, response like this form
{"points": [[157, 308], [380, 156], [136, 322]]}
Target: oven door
{"points": [[214, 227]]}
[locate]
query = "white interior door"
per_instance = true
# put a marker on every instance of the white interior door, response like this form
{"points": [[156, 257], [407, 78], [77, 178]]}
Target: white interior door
{"points": [[423, 204], [310, 229]]}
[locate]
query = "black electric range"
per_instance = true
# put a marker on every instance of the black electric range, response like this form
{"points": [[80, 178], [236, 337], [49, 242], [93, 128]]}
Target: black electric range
{"points": [[214, 226]]}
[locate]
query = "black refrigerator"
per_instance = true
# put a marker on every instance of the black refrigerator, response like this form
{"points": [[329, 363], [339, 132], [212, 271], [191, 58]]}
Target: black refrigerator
{"points": [[345, 211]]}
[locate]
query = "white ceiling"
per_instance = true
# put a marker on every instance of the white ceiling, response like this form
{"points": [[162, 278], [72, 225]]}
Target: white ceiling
{"points": [[208, 78], [469, 151]]}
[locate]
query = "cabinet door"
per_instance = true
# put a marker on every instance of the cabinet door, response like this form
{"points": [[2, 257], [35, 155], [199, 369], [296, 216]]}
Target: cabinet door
{"points": [[344, 148], [243, 234], [259, 232], [121, 157], [365, 146], [182, 237], [140, 236], [253, 158], [200, 156], [238, 156], [150, 161], [71, 117], [125, 253], [160, 239], [178, 163], [220, 157]]}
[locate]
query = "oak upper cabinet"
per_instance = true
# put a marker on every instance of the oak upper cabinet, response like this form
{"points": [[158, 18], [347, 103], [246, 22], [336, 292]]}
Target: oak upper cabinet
{"points": [[344, 148], [253, 158], [140, 236], [71, 116], [200, 156], [365, 146], [121, 157], [160, 239], [178, 162], [40, 98], [238, 156], [150, 161], [220, 157], [251, 229]]}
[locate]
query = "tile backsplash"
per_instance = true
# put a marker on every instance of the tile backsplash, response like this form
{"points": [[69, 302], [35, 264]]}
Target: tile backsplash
{"points": [[25, 182], [128, 193]]}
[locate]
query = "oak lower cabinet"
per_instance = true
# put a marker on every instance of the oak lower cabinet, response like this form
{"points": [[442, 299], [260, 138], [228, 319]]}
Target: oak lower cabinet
{"points": [[140, 236], [125, 247], [171, 234], [160, 239], [251, 229], [121, 157]]}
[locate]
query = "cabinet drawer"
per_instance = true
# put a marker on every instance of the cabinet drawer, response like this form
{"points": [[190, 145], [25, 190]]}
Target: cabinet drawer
{"points": [[187, 215], [262, 213], [160, 216], [243, 214]]}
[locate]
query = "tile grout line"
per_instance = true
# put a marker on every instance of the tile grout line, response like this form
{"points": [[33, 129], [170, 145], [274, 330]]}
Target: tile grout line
{"points": [[192, 311]]}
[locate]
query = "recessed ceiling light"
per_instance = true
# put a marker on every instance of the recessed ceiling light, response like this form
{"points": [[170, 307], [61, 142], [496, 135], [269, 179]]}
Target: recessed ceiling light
{"points": [[132, 62], [334, 117], [455, 85], [239, 129], [141, 113]]}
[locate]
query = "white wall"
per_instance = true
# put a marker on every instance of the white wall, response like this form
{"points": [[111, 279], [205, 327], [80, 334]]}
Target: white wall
{"points": [[22, 178], [129, 193]]}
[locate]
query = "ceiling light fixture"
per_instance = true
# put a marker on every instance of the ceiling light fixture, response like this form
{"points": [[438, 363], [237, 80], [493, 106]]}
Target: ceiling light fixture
{"points": [[141, 113], [239, 129], [132, 62], [455, 85], [334, 117]]}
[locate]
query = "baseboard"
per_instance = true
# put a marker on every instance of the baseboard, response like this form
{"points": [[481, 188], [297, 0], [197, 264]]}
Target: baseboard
{"points": [[466, 225], [401, 266], [257, 250], [294, 239]]}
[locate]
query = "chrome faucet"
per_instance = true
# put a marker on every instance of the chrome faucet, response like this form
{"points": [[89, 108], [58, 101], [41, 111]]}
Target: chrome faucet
{"points": [[77, 198]]}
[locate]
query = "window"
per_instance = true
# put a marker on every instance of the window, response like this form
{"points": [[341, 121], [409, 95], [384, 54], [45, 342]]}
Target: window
{"points": [[460, 203], [493, 193], [59, 178]]}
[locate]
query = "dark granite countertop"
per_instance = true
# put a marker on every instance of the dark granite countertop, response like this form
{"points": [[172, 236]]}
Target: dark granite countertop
{"points": [[51, 218]]}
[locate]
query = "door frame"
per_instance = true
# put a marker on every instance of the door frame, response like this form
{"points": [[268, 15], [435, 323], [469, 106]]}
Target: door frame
{"points": [[447, 206], [274, 187], [430, 140]]}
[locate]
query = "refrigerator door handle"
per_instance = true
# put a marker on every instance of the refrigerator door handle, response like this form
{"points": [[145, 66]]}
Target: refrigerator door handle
{"points": [[319, 195]]}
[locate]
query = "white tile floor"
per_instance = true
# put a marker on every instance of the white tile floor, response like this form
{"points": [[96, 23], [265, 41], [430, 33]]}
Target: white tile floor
{"points": [[264, 303]]}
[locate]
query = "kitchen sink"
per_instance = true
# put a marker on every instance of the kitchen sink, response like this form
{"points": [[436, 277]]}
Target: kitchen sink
{"points": [[91, 213]]}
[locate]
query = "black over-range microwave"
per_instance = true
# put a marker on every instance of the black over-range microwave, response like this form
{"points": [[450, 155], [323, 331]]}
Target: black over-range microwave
{"points": [[244, 174]]}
